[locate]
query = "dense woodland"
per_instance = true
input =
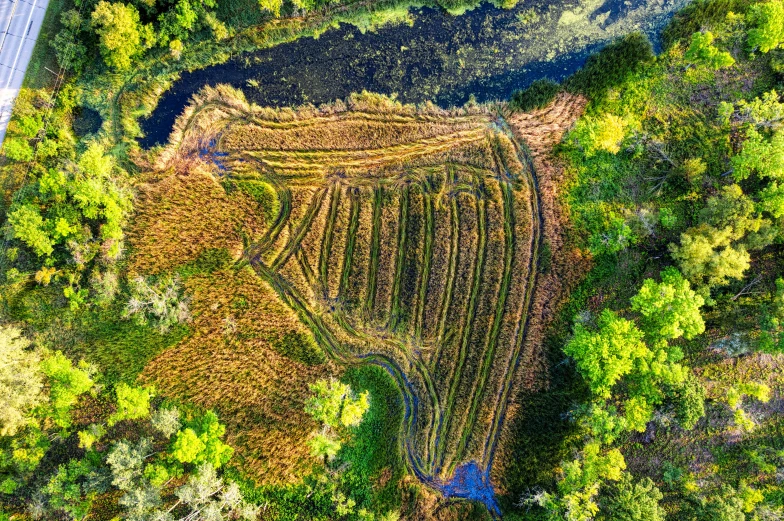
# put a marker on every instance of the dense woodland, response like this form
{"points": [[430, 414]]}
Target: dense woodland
{"points": [[664, 381]]}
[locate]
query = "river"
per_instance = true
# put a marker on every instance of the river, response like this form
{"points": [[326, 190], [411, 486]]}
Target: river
{"points": [[487, 53]]}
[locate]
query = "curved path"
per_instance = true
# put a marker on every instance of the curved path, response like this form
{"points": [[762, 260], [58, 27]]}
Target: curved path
{"points": [[469, 479]]}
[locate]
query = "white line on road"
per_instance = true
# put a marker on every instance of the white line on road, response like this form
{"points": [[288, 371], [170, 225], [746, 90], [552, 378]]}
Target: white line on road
{"points": [[22, 20]]}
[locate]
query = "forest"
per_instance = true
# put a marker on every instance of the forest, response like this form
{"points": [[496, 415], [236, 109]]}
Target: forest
{"points": [[566, 305]]}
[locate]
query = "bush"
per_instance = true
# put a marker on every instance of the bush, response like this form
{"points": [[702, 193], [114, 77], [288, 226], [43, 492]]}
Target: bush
{"points": [[538, 95], [609, 68], [18, 150], [698, 15]]}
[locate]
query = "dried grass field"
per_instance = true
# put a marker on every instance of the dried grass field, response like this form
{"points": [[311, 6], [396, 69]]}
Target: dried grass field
{"points": [[406, 237]]}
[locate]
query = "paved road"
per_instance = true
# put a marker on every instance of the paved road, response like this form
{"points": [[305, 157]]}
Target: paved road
{"points": [[20, 23]]}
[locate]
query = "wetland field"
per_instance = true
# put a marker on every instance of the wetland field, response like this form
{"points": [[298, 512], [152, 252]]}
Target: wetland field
{"points": [[290, 260]]}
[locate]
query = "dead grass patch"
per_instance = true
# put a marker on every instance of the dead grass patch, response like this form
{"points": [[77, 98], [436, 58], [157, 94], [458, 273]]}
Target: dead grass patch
{"points": [[230, 363], [180, 215]]}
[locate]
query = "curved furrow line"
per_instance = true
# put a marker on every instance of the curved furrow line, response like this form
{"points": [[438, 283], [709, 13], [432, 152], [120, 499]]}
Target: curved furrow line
{"points": [[351, 240], [294, 300], [467, 326], [394, 314], [326, 240], [394, 344], [484, 372], [284, 211], [302, 229], [491, 442], [304, 265], [427, 259], [375, 242]]}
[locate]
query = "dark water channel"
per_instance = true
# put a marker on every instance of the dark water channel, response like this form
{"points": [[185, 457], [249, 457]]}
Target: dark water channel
{"points": [[488, 53]]}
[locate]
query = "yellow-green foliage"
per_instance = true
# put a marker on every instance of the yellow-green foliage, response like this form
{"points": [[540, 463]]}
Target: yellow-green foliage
{"points": [[604, 133]]}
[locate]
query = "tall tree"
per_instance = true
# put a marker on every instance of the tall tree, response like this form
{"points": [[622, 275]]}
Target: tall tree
{"points": [[21, 380], [670, 309], [767, 19], [703, 52], [119, 33]]}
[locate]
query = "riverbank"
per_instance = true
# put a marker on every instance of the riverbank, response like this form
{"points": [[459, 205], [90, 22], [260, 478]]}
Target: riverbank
{"points": [[426, 55]]}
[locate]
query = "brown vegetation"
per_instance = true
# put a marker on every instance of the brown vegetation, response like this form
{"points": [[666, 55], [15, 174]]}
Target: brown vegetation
{"points": [[411, 236], [180, 215], [541, 130], [234, 362]]}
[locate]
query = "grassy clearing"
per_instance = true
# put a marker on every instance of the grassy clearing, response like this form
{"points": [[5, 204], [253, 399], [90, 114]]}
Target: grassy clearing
{"points": [[37, 76]]}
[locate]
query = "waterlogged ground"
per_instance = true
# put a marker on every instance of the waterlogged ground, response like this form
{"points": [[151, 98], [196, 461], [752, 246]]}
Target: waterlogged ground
{"points": [[430, 55]]}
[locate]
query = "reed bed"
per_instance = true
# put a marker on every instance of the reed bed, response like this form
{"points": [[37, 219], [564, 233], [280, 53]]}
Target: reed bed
{"points": [[387, 257], [357, 132], [406, 237], [356, 283], [455, 317], [300, 202], [442, 267], [489, 308], [412, 264], [339, 255]]}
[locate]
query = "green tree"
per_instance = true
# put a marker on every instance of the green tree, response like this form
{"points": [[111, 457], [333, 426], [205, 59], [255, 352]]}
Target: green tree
{"points": [[187, 446], [606, 355], [690, 405], [18, 149], [723, 506], [324, 446], [201, 442], [670, 309], [707, 256], [133, 403], [629, 501], [119, 33], [69, 491], [68, 44], [600, 133], [21, 381], [767, 20], [703, 52], [334, 404], [273, 6], [759, 155], [66, 383], [27, 225], [581, 481]]}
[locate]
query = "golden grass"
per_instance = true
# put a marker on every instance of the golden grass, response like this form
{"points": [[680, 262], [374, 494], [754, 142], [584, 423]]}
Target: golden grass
{"points": [[361, 179], [230, 363], [180, 215]]}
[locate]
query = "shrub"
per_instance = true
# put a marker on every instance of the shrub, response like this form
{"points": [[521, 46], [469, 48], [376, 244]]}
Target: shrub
{"points": [[698, 15], [703, 52], [17, 149], [610, 67], [538, 95], [768, 21]]}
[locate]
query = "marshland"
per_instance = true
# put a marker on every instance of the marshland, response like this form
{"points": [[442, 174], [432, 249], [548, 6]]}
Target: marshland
{"points": [[308, 260]]}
